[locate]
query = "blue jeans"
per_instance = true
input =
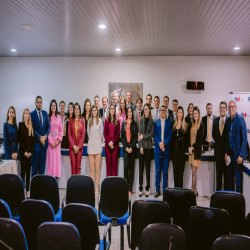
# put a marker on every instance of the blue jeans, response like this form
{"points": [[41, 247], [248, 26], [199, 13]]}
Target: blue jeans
{"points": [[161, 163], [38, 162], [234, 170]]}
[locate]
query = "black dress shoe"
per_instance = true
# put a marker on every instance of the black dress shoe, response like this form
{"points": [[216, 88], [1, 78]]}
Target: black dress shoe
{"points": [[157, 194]]}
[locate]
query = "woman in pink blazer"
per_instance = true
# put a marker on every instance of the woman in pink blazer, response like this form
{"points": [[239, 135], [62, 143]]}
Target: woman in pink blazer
{"points": [[76, 134]]}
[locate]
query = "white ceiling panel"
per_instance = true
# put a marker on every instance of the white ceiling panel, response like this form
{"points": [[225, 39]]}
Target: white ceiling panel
{"points": [[138, 27]]}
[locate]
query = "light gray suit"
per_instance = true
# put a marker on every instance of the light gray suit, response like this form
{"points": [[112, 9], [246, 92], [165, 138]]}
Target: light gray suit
{"points": [[135, 114]]}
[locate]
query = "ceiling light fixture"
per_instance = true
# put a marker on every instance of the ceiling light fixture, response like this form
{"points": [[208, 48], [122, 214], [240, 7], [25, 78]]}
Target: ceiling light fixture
{"points": [[102, 26], [13, 50], [118, 49], [236, 48]]}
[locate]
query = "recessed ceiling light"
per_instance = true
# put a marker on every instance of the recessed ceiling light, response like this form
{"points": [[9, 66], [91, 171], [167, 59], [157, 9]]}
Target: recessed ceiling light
{"points": [[118, 49], [102, 26], [237, 48], [13, 50]]}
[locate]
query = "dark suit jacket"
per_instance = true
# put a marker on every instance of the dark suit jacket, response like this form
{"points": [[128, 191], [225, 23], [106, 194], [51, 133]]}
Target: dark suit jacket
{"points": [[204, 121], [220, 141], [37, 129], [146, 142], [198, 143], [167, 136], [134, 135], [171, 117], [101, 114], [169, 113], [239, 136], [22, 139]]}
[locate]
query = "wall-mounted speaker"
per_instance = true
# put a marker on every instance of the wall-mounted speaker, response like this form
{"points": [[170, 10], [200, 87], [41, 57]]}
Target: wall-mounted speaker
{"points": [[195, 85]]}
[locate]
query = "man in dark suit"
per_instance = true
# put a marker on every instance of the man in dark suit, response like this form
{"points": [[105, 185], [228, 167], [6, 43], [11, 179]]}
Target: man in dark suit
{"points": [[149, 100], [175, 107], [166, 103], [41, 125], [208, 121], [62, 113], [162, 137], [128, 100], [236, 146], [220, 136], [156, 111], [97, 103], [138, 112], [104, 111]]}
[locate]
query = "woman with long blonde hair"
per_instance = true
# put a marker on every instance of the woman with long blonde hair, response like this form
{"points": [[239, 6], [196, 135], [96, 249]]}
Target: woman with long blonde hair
{"points": [[195, 136], [121, 114], [27, 146], [179, 146], [10, 139], [95, 133]]}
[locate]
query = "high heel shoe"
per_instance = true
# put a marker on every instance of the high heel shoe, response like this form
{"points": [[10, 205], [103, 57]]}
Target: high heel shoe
{"points": [[147, 194], [140, 194], [197, 194]]}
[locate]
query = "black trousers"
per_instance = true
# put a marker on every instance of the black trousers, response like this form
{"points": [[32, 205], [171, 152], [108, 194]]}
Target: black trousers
{"points": [[221, 170], [25, 170], [146, 157], [178, 167], [129, 163]]}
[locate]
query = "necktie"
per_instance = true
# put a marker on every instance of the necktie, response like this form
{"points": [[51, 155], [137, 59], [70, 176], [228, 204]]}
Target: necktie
{"points": [[221, 126], [162, 130], [40, 120], [156, 117], [139, 116], [208, 130]]}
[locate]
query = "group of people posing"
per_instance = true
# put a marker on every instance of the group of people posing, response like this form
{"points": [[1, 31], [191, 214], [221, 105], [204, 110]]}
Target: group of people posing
{"points": [[40, 136]]}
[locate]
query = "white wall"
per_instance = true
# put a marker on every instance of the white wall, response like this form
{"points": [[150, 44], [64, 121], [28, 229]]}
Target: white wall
{"points": [[76, 78]]}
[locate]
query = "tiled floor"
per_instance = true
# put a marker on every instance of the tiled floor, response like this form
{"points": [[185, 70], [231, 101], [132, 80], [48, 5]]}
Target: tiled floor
{"points": [[201, 201]]}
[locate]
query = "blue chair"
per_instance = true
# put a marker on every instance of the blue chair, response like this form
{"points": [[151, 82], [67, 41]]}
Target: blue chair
{"points": [[45, 187], [58, 235], [248, 225], [180, 200], [115, 205], [232, 242], [144, 213], [12, 235], [204, 226], [158, 236], [80, 189], [85, 219], [12, 192], [32, 214], [234, 204], [4, 210]]}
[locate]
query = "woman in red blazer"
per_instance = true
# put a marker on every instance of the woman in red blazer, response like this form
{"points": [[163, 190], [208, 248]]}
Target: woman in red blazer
{"points": [[76, 134]]}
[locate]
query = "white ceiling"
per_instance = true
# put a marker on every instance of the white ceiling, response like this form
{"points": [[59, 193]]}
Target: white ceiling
{"points": [[138, 27]]}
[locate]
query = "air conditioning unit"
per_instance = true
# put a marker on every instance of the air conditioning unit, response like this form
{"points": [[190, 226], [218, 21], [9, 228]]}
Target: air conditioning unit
{"points": [[195, 85]]}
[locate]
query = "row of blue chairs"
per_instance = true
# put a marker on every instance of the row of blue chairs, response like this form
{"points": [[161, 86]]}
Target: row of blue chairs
{"points": [[114, 206]]}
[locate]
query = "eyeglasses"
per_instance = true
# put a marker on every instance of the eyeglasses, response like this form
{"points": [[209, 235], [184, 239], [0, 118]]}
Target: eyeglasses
{"points": [[163, 110], [231, 107], [223, 108], [148, 99]]}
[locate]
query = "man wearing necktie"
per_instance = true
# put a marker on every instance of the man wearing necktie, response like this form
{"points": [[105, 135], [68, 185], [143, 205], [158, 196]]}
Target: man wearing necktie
{"points": [[104, 110], [41, 125], [208, 121], [138, 112], [162, 137], [156, 111], [220, 136]]}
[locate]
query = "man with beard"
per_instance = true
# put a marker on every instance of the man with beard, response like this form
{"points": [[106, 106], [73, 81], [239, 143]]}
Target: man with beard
{"points": [[208, 121]]}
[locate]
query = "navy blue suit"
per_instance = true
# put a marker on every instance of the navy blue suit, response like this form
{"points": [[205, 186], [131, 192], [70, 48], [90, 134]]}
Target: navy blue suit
{"points": [[162, 158], [239, 148], [39, 157]]}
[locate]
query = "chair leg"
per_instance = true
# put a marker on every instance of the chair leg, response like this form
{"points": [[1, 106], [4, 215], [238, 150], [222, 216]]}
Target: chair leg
{"points": [[110, 235], [122, 237]]}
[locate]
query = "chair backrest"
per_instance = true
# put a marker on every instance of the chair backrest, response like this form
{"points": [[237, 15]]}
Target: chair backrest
{"points": [[32, 214], [58, 235], [12, 235], [232, 242], [248, 225], [4, 210], [180, 200], [204, 226], [45, 187], [145, 212], [12, 192], [80, 189], [157, 236], [84, 218], [234, 204], [114, 197]]}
